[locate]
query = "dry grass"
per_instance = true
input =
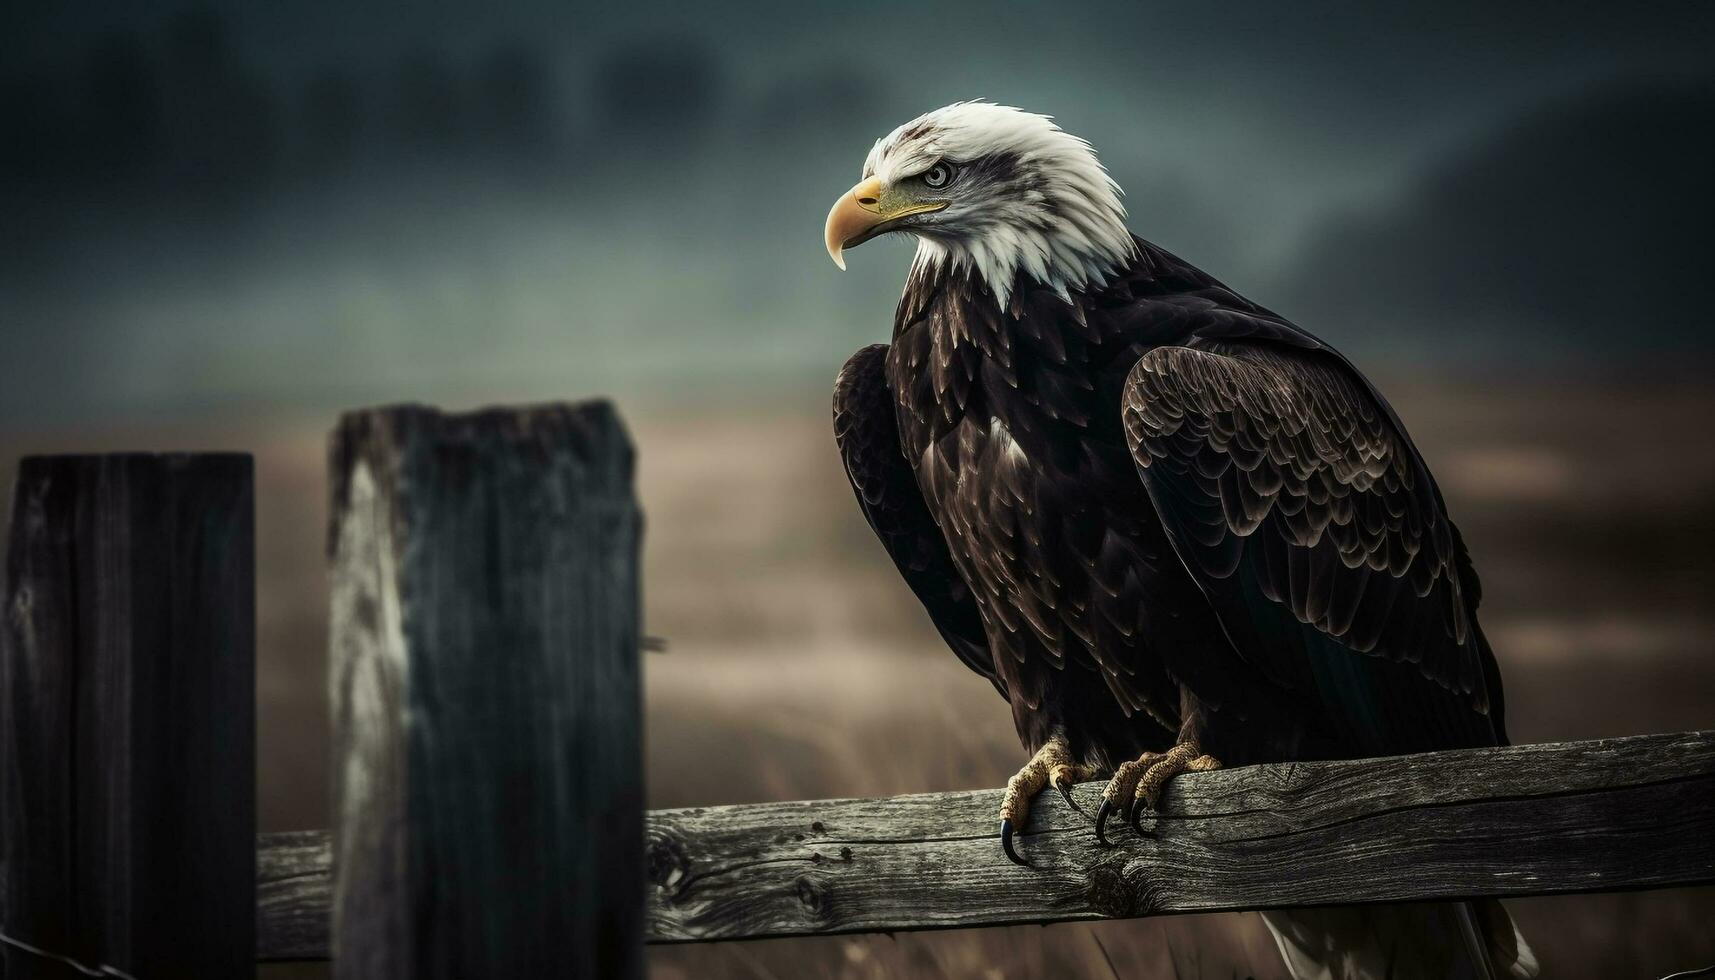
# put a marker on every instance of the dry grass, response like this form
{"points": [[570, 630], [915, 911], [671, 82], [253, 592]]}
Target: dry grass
{"points": [[799, 667]]}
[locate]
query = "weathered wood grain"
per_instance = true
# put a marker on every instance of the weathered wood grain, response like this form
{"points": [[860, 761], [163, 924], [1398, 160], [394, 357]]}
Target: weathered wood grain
{"points": [[294, 884], [127, 717], [1609, 815], [486, 698]]}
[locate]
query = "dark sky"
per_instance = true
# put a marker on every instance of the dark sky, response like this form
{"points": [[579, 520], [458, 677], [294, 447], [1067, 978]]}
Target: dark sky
{"points": [[305, 204]]}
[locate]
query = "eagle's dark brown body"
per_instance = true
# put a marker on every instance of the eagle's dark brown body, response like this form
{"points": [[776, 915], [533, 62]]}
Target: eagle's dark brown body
{"points": [[1110, 508]]}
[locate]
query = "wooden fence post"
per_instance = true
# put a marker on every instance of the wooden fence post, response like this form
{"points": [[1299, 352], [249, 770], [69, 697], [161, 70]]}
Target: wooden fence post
{"points": [[486, 696], [127, 718]]}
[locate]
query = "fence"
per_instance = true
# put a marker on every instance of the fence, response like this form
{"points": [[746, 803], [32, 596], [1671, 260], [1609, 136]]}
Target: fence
{"points": [[488, 772]]}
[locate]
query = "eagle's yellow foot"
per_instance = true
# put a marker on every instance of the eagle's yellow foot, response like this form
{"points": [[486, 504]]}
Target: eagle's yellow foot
{"points": [[1052, 764], [1138, 784]]}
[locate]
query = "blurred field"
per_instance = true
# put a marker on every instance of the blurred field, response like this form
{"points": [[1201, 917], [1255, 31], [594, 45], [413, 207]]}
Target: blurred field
{"points": [[799, 667]]}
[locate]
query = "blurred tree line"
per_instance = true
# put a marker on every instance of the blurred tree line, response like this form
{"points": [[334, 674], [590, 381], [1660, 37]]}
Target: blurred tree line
{"points": [[181, 115]]}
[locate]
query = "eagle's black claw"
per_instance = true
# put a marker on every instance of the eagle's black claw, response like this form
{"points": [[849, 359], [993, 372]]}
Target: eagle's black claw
{"points": [[1102, 818], [1134, 815], [1066, 791], [1006, 844]]}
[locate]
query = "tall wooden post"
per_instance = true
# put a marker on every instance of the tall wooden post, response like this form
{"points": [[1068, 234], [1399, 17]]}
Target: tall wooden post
{"points": [[127, 718], [488, 785]]}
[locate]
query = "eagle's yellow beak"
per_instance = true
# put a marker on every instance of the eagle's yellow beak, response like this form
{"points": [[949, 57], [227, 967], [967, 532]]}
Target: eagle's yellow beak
{"points": [[866, 211]]}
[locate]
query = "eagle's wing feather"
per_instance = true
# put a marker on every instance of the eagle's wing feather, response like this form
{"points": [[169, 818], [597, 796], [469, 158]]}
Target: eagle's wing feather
{"points": [[868, 435], [1304, 513]]}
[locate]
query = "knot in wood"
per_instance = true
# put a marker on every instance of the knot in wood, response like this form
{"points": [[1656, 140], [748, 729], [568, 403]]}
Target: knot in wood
{"points": [[1111, 893], [1295, 777], [365, 611], [812, 894], [665, 862]]}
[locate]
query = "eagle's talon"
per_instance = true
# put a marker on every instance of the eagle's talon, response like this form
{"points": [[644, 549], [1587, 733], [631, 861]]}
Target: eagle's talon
{"points": [[1182, 758], [1066, 793], [1006, 844], [1051, 765], [1102, 818], [1117, 796]]}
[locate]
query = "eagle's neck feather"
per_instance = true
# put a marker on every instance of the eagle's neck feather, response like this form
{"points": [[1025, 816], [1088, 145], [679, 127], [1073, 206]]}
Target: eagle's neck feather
{"points": [[1064, 254]]}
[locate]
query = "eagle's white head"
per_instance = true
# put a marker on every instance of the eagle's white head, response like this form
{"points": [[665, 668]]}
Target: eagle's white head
{"points": [[992, 189]]}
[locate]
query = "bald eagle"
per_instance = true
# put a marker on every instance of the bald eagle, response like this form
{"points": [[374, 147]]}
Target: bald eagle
{"points": [[1172, 529]]}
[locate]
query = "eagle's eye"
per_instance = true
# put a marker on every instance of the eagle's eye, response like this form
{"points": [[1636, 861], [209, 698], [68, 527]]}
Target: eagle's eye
{"points": [[938, 176]]}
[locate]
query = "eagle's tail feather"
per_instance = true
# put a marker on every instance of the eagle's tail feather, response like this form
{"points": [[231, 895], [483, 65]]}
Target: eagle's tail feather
{"points": [[1462, 940]]}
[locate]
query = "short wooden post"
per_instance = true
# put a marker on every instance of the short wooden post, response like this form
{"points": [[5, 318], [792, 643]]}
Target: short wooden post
{"points": [[486, 696], [127, 718]]}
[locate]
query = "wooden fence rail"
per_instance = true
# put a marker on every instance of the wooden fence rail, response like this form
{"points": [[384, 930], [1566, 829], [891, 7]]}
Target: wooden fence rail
{"points": [[487, 753], [1608, 815]]}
